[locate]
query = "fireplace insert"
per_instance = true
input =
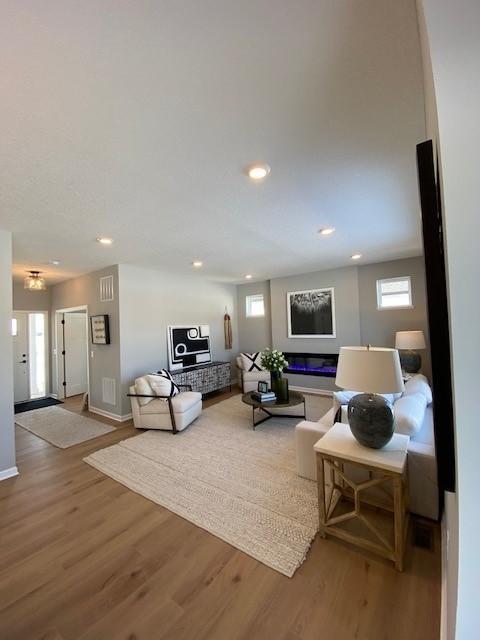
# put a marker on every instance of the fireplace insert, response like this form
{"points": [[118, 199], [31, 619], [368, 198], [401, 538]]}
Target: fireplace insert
{"points": [[312, 364]]}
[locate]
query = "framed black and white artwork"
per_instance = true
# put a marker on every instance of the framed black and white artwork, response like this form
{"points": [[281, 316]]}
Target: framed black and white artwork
{"points": [[311, 314], [100, 328], [188, 346]]}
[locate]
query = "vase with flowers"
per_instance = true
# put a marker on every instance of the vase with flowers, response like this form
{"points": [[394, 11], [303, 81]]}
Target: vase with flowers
{"points": [[274, 361]]}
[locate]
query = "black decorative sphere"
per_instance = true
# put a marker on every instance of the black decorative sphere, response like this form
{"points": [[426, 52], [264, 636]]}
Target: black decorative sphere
{"points": [[371, 420]]}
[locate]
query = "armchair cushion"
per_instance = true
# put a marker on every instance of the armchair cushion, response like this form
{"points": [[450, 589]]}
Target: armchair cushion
{"points": [[180, 403]]}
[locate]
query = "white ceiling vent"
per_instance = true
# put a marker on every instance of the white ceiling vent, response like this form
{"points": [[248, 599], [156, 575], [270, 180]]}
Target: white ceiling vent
{"points": [[106, 289], [108, 391]]}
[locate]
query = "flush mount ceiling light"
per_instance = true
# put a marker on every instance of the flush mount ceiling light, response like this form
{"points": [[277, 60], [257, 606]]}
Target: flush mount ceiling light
{"points": [[258, 171], [356, 256], [248, 276], [34, 282], [326, 231], [54, 262], [105, 241], [197, 264]]}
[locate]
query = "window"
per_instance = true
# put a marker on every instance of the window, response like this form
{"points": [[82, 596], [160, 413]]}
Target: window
{"points": [[254, 306], [394, 293]]}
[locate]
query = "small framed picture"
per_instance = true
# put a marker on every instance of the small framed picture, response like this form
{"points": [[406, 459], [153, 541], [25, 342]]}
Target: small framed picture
{"points": [[100, 328], [263, 387]]}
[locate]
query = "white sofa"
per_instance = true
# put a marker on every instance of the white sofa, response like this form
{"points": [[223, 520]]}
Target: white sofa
{"points": [[172, 414], [422, 465], [248, 380]]}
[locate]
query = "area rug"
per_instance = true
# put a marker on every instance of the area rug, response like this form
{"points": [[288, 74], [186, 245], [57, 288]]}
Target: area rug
{"points": [[240, 485], [60, 427]]}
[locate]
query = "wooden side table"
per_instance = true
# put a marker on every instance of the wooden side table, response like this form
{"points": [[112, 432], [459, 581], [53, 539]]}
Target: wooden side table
{"points": [[379, 468]]}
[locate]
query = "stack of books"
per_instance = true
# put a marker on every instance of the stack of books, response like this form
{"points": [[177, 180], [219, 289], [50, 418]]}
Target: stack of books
{"points": [[263, 397]]}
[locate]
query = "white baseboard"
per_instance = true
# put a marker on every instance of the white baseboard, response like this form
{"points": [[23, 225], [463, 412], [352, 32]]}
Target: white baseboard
{"points": [[53, 395], [315, 392], [8, 473], [108, 414]]}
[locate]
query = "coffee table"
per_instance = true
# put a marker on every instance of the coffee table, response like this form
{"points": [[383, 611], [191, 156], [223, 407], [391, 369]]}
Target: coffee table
{"points": [[294, 399]]}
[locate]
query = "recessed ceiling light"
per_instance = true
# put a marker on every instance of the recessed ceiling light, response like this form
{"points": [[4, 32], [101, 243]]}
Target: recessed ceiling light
{"points": [[248, 276], [356, 256], [258, 171], [55, 262], [327, 231], [197, 264], [105, 241]]}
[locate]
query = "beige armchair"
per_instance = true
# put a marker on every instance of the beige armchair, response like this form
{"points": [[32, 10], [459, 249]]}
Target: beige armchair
{"points": [[248, 380], [164, 412]]}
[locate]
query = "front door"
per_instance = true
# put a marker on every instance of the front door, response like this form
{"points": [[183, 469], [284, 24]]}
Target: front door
{"points": [[21, 383]]}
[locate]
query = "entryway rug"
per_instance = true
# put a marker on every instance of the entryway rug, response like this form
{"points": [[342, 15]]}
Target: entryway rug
{"points": [[30, 405], [60, 427], [240, 485]]}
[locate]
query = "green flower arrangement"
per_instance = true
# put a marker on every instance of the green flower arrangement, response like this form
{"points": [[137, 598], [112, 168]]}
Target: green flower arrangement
{"points": [[273, 360]]}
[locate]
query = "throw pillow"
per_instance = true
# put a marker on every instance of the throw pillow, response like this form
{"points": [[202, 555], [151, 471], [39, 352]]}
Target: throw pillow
{"points": [[251, 361], [419, 384], [163, 384], [409, 413], [341, 398], [142, 387]]}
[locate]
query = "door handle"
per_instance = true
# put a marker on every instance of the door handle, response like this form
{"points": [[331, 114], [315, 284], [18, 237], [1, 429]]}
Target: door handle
{"points": [[23, 362]]}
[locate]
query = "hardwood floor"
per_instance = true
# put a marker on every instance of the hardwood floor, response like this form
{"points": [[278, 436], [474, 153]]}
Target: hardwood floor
{"points": [[83, 557]]}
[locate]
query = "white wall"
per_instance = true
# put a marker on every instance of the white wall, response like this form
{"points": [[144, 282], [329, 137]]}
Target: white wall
{"points": [[27, 300], [452, 33], [85, 290], [151, 300], [254, 334], [7, 433]]}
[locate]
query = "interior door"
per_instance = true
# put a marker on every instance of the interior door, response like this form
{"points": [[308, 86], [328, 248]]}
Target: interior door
{"points": [[75, 331], [20, 357]]}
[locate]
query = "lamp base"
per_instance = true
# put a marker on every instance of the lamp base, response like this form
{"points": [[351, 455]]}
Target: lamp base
{"points": [[371, 420], [411, 361]]}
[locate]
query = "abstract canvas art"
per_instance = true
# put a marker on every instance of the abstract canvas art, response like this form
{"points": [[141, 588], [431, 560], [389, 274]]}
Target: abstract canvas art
{"points": [[188, 346], [311, 314]]}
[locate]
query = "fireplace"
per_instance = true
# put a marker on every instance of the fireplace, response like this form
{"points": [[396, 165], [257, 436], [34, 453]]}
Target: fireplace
{"points": [[312, 364]]}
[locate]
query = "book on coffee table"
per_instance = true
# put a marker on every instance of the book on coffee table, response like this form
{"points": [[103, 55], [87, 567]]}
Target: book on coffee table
{"points": [[263, 397]]}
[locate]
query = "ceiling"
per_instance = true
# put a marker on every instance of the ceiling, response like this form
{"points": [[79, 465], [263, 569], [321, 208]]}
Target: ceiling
{"points": [[135, 119]]}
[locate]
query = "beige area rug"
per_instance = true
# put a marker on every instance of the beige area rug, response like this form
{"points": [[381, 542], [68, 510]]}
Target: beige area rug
{"points": [[61, 427], [236, 483]]}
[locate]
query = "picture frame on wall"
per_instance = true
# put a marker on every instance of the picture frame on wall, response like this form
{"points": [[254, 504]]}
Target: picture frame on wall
{"points": [[311, 313], [100, 329], [188, 346]]}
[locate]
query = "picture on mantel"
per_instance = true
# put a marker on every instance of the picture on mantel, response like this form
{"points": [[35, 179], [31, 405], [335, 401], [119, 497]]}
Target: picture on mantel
{"points": [[311, 314]]}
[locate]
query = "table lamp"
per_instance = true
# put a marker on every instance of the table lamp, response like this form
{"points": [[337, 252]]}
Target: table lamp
{"points": [[371, 370], [407, 342]]}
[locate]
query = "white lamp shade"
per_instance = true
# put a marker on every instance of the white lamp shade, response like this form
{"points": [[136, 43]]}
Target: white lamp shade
{"points": [[410, 340], [369, 369]]}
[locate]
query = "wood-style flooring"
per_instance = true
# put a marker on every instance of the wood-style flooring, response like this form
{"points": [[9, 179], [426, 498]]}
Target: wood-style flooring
{"points": [[82, 557]]}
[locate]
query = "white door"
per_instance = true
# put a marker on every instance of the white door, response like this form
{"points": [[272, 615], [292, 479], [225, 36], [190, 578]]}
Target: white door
{"points": [[75, 346], [20, 357]]}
